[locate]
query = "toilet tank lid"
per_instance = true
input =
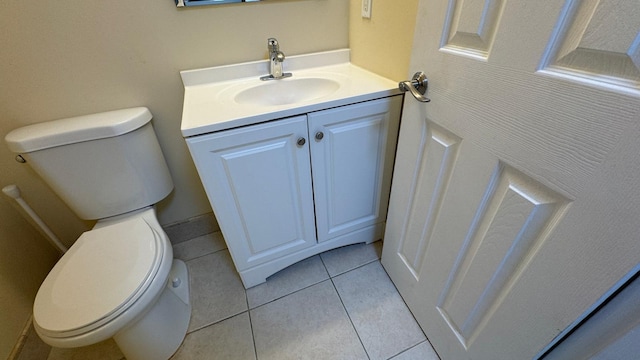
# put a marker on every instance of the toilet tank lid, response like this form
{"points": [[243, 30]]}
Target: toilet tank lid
{"points": [[76, 129]]}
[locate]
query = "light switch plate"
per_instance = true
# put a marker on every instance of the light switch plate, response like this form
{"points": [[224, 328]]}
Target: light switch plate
{"points": [[366, 9]]}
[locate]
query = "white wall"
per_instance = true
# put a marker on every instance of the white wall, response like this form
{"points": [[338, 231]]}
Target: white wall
{"points": [[382, 44]]}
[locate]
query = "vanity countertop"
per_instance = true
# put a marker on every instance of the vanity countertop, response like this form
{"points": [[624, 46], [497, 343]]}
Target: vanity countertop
{"points": [[210, 95]]}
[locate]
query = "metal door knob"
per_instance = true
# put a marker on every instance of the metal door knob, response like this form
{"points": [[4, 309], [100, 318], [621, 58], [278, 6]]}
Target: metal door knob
{"points": [[301, 141], [319, 135], [417, 86]]}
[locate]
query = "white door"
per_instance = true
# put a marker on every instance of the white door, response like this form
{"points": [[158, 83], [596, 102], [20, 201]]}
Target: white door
{"points": [[515, 202]]}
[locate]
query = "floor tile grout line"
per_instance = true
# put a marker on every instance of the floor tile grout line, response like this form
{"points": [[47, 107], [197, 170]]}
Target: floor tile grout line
{"points": [[319, 255], [325, 265], [291, 293], [203, 255], [353, 326], [405, 350], [253, 335], [216, 322], [429, 342], [405, 303], [355, 268], [182, 243], [412, 347], [331, 278], [412, 315], [350, 319]]}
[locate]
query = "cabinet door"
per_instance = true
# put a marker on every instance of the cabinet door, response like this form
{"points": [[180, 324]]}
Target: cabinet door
{"points": [[258, 181], [352, 163]]}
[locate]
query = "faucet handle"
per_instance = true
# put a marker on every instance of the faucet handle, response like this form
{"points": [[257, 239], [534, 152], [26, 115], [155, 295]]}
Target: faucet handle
{"points": [[278, 56]]}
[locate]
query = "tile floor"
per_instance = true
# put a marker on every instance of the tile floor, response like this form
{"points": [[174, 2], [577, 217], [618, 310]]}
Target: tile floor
{"points": [[336, 305]]}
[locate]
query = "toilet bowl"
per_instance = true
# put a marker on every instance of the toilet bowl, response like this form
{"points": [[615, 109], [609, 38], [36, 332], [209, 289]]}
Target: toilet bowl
{"points": [[114, 282], [119, 279]]}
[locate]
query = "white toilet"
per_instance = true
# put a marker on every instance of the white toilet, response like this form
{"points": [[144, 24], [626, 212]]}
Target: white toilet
{"points": [[119, 279]]}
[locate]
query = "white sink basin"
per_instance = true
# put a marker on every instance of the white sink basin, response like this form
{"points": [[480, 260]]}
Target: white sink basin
{"points": [[287, 91], [232, 96]]}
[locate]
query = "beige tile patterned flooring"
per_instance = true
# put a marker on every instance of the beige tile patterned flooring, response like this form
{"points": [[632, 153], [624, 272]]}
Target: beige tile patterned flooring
{"points": [[336, 305]]}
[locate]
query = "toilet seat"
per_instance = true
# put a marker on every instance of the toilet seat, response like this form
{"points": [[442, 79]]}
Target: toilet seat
{"points": [[99, 278]]}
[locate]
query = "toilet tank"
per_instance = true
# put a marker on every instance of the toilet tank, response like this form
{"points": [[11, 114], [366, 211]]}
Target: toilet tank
{"points": [[101, 165]]}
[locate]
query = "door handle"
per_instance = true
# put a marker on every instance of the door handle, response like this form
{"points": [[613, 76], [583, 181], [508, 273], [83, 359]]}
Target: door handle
{"points": [[417, 86]]}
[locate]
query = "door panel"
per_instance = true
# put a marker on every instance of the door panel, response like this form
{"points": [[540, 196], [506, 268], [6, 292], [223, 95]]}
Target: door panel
{"points": [[509, 219], [435, 164], [513, 194], [471, 26], [597, 43]]}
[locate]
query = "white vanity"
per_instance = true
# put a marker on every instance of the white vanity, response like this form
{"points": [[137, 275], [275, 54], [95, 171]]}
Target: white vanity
{"points": [[292, 167]]}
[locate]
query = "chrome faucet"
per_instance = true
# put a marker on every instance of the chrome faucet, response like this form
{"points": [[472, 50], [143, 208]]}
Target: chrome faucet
{"points": [[276, 59]]}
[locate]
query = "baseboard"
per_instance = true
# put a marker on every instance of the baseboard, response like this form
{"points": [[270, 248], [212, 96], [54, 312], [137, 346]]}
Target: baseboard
{"points": [[21, 340], [29, 345], [191, 228]]}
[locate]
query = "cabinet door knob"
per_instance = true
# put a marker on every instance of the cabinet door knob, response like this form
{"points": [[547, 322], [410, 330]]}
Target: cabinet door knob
{"points": [[319, 135], [301, 141]]}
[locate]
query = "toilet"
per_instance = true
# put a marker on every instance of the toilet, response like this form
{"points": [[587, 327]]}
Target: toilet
{"points": [[119, 280]]}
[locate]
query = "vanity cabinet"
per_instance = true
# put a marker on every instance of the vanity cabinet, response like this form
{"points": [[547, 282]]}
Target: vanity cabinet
{"points": [[290, 188]]}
